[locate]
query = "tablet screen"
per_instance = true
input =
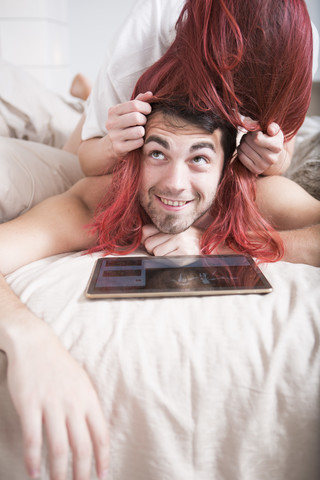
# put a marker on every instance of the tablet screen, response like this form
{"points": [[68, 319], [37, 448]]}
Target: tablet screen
{"points": [[120, 277]]}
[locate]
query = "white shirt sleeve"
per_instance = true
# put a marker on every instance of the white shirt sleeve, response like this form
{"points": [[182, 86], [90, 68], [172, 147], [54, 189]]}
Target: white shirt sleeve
{"points": [[144, 38]]}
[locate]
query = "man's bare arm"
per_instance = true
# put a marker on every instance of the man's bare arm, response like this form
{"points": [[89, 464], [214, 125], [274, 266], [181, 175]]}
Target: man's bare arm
{"points": [[54, 226], [302, 246], [66, 406], [76, 420], [295, 214]]}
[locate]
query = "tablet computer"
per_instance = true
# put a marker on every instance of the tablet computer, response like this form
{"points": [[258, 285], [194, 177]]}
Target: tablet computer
{"points": [[123, 277]]}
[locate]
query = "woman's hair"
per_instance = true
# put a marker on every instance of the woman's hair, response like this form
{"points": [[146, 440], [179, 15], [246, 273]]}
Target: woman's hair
{"points": [[229, 60], [250, 58]]}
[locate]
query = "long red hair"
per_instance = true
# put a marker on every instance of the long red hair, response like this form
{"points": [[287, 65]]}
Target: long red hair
{"points": [[253, 60], [256, 62]]}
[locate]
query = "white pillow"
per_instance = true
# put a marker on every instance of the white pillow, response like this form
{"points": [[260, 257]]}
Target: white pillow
{"points": [[32, 112], [30, 172]]}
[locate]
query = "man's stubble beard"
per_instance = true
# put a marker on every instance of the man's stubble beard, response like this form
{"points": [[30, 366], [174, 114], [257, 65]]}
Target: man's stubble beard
{"points": [[168, 224]]}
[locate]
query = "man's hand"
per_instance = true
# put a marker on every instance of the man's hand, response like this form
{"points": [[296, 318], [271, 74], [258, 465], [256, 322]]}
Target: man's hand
{"points": [[165, 244], [265, 153], [126, 122], [50, 389]]}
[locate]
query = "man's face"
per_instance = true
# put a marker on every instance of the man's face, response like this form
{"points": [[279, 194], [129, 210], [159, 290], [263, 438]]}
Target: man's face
{"points": [[180, 172]]}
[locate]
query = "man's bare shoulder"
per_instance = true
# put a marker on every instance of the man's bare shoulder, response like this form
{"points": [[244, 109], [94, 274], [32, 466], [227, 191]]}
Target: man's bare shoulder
{"points": [[285, 204], [91, 190]]}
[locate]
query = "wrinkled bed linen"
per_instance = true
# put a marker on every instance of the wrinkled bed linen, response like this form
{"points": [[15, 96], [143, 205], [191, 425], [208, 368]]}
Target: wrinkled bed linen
{"points": [[198, 388]]}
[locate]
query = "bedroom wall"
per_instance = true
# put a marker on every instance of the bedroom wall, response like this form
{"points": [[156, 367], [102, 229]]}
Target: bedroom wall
{"points": [[34, 34], [55, 39], [93, 26]]}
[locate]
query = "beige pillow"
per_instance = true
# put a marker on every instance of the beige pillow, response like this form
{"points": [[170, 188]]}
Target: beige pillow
{"points": [[305, 165], [30, 172]]}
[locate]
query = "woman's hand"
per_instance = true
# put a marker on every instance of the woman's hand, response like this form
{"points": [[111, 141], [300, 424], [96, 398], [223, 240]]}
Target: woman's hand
{"points": [[50, 389], [265, 153], [165, 244], [126, 122]]}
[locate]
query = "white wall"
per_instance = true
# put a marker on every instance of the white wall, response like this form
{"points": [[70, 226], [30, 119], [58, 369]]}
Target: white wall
{"points": [[55, 39], [93, 24], [34, 34]]}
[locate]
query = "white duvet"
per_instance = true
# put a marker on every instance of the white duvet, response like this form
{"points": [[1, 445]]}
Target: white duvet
{"points": [[201, 388]]}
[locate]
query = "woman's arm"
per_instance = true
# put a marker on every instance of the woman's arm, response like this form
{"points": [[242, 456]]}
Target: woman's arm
{"points": [[125, 127]]}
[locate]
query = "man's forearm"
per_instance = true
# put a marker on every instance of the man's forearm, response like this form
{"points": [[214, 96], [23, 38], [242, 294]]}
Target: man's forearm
{"points": [[302, 246], [15, 318], [42, 373]]}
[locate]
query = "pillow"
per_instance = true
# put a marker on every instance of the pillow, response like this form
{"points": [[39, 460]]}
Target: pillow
{"points": [[31, 172], [28, 110], [305, 164]]}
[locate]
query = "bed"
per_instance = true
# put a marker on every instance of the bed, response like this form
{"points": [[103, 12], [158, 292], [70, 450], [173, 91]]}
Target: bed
{"points": [[224, 387]]}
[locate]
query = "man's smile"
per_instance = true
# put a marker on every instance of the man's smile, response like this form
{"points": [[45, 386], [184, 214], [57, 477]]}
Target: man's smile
{"points": [[172, 203]]}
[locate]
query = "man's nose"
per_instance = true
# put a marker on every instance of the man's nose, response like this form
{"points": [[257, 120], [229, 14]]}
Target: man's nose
{"points": [[177, 177]]}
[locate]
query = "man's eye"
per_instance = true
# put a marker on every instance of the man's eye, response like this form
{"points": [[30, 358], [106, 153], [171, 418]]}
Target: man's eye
{"points": [[157, 155], [200, 160]]}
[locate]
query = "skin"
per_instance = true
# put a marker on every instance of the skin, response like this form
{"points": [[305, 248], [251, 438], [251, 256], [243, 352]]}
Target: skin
{"points": [[67, 405], [125, 126], [181, 170], [267, 154], [70, 412]]}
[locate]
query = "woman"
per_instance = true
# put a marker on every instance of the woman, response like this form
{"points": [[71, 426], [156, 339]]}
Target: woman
{"points": [[146, 36]]}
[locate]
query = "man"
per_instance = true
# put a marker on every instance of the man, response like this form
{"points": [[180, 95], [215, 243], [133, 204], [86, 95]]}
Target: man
{"points": [[182, 164], [148, 34], [181, 167]]}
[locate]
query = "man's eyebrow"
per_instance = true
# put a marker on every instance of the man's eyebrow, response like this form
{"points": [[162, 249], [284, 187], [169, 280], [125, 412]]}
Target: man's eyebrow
{"points": [[160, 140], [198, 146]]}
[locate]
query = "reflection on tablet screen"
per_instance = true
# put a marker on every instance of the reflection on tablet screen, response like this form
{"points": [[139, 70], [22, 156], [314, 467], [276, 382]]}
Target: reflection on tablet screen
{"points": [[180, 275]]}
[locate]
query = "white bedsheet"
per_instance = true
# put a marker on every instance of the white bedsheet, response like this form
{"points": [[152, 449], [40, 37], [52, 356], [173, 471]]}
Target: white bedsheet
{"points": [[224, 388]]}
